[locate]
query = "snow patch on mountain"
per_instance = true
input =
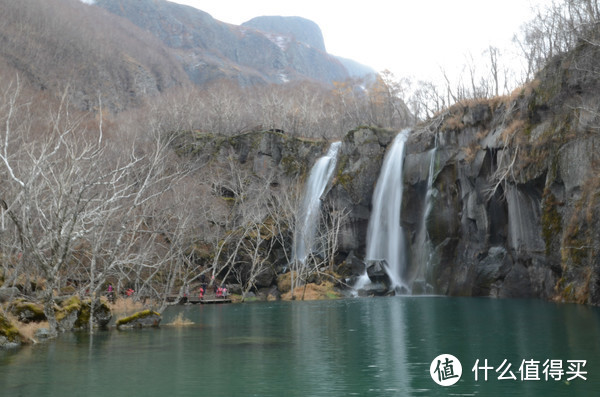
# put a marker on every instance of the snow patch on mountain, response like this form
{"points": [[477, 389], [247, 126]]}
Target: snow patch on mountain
{"points": [[283, 42]]}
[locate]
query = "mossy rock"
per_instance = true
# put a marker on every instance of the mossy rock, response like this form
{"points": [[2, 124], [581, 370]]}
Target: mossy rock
{"points": [[68, 306], [143, 319], [67, 313], [74, 313], [102, 313], [28, 312], [9, 334]]}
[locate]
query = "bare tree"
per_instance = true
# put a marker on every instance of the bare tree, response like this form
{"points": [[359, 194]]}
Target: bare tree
{"points": [[555, 29], [53, 180]]}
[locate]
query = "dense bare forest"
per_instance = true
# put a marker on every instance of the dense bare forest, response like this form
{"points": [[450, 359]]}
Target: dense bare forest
{"points": [[116, 169]]}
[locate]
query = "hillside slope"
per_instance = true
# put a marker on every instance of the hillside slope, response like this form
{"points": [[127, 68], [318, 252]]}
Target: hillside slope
{"points": [[210, 49], [58, 43], [122, 51]]}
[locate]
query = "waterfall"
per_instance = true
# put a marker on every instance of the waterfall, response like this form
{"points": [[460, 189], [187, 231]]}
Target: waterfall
{"points": [[385, 238], [308, 216], [423, 243]]}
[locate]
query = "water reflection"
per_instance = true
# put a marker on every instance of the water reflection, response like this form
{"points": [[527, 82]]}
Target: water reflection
{"points": [[366, 347]]}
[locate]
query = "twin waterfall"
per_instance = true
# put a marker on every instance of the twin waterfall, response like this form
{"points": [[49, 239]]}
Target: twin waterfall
{"points": [[307, 223], [386, 242]]}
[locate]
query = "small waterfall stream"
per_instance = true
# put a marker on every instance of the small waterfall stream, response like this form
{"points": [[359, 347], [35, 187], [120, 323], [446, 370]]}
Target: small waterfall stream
{"points": [[423, 242], [385, 237], [308, 214]]}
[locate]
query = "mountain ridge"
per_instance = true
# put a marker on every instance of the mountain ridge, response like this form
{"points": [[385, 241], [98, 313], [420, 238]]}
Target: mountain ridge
{"points": [[301, 29], [308, 32], [125, 51], [210, 49]]}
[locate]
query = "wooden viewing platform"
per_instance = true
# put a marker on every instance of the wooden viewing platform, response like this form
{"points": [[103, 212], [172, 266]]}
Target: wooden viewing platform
{"points": [[211, 299], [208, 300]]}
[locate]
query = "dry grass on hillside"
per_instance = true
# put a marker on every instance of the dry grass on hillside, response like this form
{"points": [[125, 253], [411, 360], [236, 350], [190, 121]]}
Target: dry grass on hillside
{"points": [[126, 306], [27, 331], [312, 292]]}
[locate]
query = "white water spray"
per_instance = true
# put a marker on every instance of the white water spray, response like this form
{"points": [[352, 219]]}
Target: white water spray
{"points": [[308, 215]]}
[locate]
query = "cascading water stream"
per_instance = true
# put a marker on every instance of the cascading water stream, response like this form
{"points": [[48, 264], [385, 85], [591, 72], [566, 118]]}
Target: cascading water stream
{"points": [[308, 215], [424, 246], [385, 238]]}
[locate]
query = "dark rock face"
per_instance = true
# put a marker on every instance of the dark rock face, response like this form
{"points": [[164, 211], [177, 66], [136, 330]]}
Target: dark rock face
{"points": [[358, 165], [514, 196], [374, 289], [265, 278], [485, 228], [376, 272], [102, 315], [514, 192], [28, 312]]}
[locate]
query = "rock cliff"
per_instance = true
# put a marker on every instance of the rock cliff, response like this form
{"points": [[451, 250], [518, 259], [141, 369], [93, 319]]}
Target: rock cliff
{"points": [[515, 189], [513, 192]]}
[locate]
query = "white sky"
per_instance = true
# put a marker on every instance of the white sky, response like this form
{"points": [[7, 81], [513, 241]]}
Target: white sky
{"points": [[412, 38]]}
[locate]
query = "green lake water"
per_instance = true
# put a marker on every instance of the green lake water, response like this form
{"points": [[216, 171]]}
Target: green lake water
{"points": [[350, 347]]}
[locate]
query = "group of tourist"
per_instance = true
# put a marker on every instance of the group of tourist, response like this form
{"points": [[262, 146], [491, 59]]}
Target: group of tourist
{"points": [[220, 292], [110, 293]]}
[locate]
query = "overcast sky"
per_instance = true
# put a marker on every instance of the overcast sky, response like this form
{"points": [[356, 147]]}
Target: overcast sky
{"points": [[412, 38]]}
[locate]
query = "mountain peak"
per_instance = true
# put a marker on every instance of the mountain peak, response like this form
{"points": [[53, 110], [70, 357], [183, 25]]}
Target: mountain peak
{"points": [[301, 29]]}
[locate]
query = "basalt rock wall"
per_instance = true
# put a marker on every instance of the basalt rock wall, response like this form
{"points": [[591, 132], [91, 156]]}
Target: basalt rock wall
{"points": [[516, 189]]}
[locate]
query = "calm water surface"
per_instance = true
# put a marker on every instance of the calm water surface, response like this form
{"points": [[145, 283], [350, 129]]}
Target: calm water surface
{"points": [[354, 347]]}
